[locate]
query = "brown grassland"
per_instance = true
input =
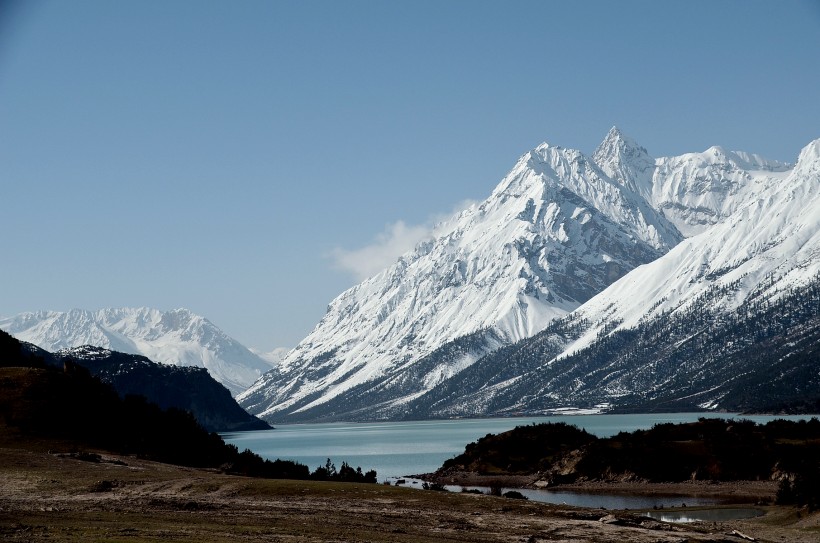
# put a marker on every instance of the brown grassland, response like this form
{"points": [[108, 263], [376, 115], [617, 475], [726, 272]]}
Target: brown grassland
{"points": [[49, 492], [49, 496]]}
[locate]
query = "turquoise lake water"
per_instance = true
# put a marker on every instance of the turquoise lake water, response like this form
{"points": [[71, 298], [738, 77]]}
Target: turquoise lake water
{"points": [[398, 449]]}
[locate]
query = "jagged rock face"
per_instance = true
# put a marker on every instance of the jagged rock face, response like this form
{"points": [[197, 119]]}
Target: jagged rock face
{"points": [[555, 232], [728, 319], [693, 191], [176, 337], [447, 330], [698, 190], [626, 162]]}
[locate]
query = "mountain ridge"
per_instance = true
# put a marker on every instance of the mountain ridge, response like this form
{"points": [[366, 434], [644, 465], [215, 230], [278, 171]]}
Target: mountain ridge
{"points": [[176, 337], [189, 388], [538, 246], [716, 195]]}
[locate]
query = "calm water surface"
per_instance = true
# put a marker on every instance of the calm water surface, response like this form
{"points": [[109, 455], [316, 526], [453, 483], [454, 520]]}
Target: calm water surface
{"points": [[398, 449]]}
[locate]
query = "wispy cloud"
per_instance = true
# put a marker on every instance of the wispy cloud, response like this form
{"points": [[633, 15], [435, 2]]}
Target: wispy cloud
{"points": [[395, 240]]}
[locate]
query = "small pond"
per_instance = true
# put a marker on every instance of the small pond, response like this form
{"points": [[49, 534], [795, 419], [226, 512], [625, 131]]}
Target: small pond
{"points": [[585, 499]]}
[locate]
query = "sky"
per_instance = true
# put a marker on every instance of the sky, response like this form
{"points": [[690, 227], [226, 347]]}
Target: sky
{"points": [[252, 160]]}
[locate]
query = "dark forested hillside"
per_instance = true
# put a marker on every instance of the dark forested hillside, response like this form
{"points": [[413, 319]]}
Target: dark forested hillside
{"points": [[71, 408], [706, 450], [188, 388]]}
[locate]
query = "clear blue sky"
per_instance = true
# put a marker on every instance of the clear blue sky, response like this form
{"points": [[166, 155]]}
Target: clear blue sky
{"points": [[246, 159]]}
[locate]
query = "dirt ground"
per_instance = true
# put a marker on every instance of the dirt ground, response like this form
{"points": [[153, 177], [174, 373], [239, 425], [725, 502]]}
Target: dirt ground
{"points": [[46, 495]]}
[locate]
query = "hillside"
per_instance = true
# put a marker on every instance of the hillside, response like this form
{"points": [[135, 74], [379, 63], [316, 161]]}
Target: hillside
{"points": [[74, 408], [70, 409], [706, 450], [762, 356], [188, 388]]}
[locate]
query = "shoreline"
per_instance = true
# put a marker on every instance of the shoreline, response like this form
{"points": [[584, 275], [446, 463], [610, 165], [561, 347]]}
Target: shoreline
{"points": [[746, 492], [52, 495]]}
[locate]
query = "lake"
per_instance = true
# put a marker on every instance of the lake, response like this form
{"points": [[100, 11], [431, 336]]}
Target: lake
{"points": [[398, 449]]}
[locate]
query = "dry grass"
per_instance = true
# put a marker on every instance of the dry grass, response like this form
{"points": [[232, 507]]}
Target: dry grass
{"points": [[48, 497]]}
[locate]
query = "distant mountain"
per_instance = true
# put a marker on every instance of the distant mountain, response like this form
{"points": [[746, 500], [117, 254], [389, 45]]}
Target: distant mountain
{"points": [[273, 357], [187, 388], [177, 337], [573, 286]]}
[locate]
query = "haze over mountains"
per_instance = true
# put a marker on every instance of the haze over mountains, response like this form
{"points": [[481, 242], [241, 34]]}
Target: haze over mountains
{"points": [[615, 280]]}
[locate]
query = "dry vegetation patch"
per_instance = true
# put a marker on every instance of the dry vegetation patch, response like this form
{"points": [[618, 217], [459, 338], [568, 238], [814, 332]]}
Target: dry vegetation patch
{"points": [[49, 496]]}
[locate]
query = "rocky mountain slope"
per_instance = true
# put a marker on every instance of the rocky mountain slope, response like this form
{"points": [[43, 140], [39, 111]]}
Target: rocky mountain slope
{"points": [[448, 330], [177, 337], [728, 319], [555, 232]]}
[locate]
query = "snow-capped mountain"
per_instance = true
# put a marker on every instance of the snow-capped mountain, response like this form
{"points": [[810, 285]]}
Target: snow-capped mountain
{"points": [[455, 327], [769, 244], [176, 337], [273, 357], [694, 191], [556, 231], [729, 318]]}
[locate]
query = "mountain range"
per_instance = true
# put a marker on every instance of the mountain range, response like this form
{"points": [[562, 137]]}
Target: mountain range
{"points": [[576, 285], [177, 337], [135, 379], [614, 281]]}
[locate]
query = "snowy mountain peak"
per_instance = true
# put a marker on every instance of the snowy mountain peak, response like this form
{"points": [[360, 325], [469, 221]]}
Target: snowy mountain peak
{"points": [[809, 160], [696, 191], [178, 337], [626, 162], [616, 141], [768, 244], [554, 232], [551, 236]]}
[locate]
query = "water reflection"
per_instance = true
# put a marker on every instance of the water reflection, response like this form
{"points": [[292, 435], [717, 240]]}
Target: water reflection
{"points": [[582, 499], [705, 515]]}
